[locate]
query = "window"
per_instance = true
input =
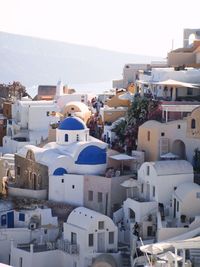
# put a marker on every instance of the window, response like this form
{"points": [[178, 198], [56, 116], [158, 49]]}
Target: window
{"points": [[198, 194], [3, 219], [162, 134], [148, 170], [193, 124], [179, 126], [21, 217], [48, 113], [90, 195], [73, 238], [111, 238], [18, 170], [90, 240], [189, 91], [100, 197], [73, 186], [177, 206], [62, 181], [142, 188], [150, 231], [66, 137], [20, 262], [154, 191], [34, 181], [72, 108], [101, 225], [148, 136]]}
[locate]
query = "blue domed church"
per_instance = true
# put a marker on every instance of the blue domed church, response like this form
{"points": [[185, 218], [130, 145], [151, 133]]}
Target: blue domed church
{"points": [[74, 151]]}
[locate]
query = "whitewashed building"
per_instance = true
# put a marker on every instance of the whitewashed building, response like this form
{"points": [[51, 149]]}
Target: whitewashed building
{"points": [[88, 236], [153, 204], [162, 82], [29, 124], [25, 226]]}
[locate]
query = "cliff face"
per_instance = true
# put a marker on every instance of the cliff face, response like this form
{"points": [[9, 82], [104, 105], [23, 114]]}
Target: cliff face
{"points": [[38, 61]]}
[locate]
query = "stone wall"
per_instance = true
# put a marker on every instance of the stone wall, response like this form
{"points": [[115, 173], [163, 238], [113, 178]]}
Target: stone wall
{"points": [[30, 174]]}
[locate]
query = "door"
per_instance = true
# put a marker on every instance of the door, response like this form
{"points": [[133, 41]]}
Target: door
{"points": [[10, 219], [34, 182], [174, 207], [101, 242], [148, 191]]}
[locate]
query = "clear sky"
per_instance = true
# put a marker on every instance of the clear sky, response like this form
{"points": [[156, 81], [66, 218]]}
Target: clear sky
{"points": [[142, 27]]}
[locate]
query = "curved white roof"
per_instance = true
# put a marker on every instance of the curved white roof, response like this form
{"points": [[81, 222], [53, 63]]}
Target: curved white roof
{"points": [[170, 167], [151, 124], [83, 217], [82, 106], [186, 188]]}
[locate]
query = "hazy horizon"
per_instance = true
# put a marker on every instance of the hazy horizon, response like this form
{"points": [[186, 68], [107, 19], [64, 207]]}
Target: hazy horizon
{"points": [[136, 27]]}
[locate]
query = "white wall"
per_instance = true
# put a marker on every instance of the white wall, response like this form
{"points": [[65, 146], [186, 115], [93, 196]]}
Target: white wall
{"points": [[64, 99], [164, 185], [38, 119], [19, 192], [21, 235], [50, 258], [82, 235], [12, 146], [190, 205], [141, 209], [70, 190]]}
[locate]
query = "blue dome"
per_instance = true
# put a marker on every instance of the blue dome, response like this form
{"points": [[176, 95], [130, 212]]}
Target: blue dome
{"points": [[72, 123]]}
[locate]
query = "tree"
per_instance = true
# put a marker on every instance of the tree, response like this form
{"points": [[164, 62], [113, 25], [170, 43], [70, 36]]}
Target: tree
{"points": [[141, 110]]}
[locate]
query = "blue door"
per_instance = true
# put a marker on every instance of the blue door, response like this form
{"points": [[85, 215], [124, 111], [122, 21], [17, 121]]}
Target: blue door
{"points": [[10, 219]]}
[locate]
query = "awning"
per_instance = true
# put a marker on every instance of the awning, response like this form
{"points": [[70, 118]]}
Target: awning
{"points": [[121, 157], [169, 156], [155, 248], [126, 96], [130, 183], [177, 83]]}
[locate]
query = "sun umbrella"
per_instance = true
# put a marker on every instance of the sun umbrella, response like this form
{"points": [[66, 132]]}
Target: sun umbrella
{"points": [[130, 183], [151, 249]]}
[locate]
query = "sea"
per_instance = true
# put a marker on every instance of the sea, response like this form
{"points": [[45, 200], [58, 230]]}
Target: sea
{"points": [[91, 88]]}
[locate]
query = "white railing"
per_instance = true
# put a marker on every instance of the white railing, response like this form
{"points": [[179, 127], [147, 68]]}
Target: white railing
{"points": [[68, 247]]}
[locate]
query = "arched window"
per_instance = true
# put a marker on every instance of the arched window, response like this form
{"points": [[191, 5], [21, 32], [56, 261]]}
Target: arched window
{"points": [[66, 137], [193, 124], [34, 181], [148, 136], [30, 155], [60, 171]]}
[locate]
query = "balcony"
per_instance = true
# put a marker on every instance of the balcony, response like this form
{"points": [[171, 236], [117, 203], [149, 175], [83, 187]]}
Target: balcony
{"points": [[68, 247]]}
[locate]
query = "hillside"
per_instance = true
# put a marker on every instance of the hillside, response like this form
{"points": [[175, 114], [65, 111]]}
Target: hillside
{"points": [[39, 61]]}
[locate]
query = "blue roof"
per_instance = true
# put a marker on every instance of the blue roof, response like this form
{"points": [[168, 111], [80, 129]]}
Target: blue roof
{"points": [[72, 123]]}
